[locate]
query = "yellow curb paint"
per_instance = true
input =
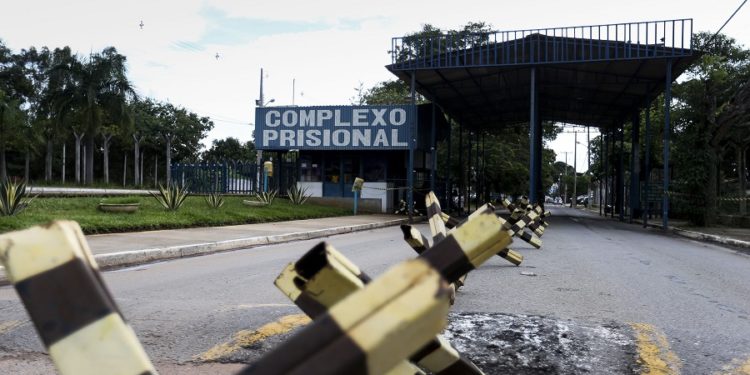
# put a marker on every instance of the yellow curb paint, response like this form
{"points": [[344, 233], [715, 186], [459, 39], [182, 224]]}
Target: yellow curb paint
{"points": [[736, 367], [10, 325], [654, 353], [248, 337]]}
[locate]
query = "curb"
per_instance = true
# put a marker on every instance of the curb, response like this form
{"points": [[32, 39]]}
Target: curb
{"points": [[710, 238], [136, 257], [704, 237]]}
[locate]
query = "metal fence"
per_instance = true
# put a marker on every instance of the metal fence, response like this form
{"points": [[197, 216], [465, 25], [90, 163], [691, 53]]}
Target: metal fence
{"points": [[620, 41], [233, 177]]}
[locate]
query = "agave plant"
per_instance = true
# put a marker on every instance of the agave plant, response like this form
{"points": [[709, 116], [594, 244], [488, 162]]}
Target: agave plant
{"points": [[214, 200], [266, 197], [172, 197], [13, 197], [297, 195]]}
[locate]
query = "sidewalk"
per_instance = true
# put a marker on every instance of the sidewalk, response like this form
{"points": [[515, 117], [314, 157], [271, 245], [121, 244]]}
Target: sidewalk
{"points": [[128, 249], [738, 237]]}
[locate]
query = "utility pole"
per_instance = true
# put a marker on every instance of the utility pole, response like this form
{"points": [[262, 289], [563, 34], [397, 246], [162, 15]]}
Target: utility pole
{"points": [[565, 185]]}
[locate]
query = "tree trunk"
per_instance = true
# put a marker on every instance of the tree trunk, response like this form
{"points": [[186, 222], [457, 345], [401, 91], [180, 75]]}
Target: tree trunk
{"points": [[136, 159], [168, 140], [741, 171], [105, 147], [143, 157], [78, 138], [27, 161], [83, 169], [89, 154], [62, 174], [156, 170], [48, 161], [3, 170], [125, 171]]}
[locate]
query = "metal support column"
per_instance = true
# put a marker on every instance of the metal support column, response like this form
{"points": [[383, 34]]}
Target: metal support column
{"points": [[412, 141], [536, 194], [448, 161], [477, 171], [461, 169], [635, 168], [469, 186], [621, 174], [602, 179], [667, 129], [647, 167], [433, 151], [607, 182]]}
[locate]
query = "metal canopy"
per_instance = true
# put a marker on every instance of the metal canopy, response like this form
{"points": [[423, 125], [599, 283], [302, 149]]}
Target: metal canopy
{"points": [[595, 75]]}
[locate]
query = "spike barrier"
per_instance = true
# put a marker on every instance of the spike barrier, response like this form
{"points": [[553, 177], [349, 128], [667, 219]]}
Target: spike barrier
{"points": [[437, 227], [516, 229], [377, 327], [326, 276], [58, 281], [371, 331]]}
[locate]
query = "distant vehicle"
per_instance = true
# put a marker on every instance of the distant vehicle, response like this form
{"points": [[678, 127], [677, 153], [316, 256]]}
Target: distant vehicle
{"points": [[582, 199]]}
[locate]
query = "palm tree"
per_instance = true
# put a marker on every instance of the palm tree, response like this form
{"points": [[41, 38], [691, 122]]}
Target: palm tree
{"points": [[101, 88]]}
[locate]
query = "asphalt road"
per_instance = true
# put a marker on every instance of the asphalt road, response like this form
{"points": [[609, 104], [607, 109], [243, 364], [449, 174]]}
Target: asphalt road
{"points": [[688, 301]]}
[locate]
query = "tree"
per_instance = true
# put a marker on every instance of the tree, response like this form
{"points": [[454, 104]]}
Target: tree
{"points": [[710, 83], [100, 88], [229, 148]]}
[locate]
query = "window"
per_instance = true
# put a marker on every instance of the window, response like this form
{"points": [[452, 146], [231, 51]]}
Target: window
{"points": [[374, 170], [309, 169]]}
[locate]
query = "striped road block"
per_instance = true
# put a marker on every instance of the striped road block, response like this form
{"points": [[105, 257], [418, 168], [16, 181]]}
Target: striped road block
{"points": [[58, 281], [371, 331], [437, 227], [327, 277]]}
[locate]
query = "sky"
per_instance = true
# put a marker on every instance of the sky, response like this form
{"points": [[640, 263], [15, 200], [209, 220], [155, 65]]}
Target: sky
{"points": [[328, 47]]}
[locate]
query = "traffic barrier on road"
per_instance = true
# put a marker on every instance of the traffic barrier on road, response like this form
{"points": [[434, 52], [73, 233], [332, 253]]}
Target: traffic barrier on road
{"points": [[437, 227], [371, 331], [450, 222], [58, 281], [326, 276]]}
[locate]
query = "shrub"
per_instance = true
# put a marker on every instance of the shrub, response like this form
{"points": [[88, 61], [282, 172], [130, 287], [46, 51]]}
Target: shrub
{"points": [[13, 197], [214, 200], [297, 195], [266, 198], [172, 197]]}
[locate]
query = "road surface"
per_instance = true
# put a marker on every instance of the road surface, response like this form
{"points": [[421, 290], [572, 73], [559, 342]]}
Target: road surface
{"points": [[684, 305]]}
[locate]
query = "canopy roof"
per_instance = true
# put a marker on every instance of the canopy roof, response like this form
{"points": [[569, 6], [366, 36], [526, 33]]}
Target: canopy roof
{"points": [[588, 75]]}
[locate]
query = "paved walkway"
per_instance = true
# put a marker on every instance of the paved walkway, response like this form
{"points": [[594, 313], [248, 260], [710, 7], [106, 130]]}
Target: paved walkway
{"points": [[117, 242], [123, 249]]}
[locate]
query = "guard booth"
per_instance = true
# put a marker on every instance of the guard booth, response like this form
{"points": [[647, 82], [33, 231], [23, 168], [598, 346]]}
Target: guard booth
{"points": [[337, 144]]}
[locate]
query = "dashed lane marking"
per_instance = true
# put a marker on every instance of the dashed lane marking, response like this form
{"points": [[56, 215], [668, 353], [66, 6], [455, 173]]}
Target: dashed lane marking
{"points": [[654, 353], [246, 338]]}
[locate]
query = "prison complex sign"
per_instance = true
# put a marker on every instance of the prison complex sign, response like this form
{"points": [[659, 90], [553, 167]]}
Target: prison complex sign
{"points": [[341, 127]]}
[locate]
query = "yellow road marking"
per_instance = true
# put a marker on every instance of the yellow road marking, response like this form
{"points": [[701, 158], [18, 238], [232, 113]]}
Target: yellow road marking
{"points": [[10, 325], [654, 354], [737, 367], [248, 337]]}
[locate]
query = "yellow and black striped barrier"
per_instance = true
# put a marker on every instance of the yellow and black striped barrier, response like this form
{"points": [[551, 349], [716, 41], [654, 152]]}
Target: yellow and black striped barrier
{"points": [[58, 281], [451, 223], [437, 227], [326, 276], [371, 331]]}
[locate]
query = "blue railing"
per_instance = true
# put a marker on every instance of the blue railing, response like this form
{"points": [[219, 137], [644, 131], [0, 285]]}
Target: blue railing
{"points": [[620, 41], [231, 177]]}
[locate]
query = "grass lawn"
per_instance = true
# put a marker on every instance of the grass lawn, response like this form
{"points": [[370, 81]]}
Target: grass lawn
{"points": [[150, 216]]}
